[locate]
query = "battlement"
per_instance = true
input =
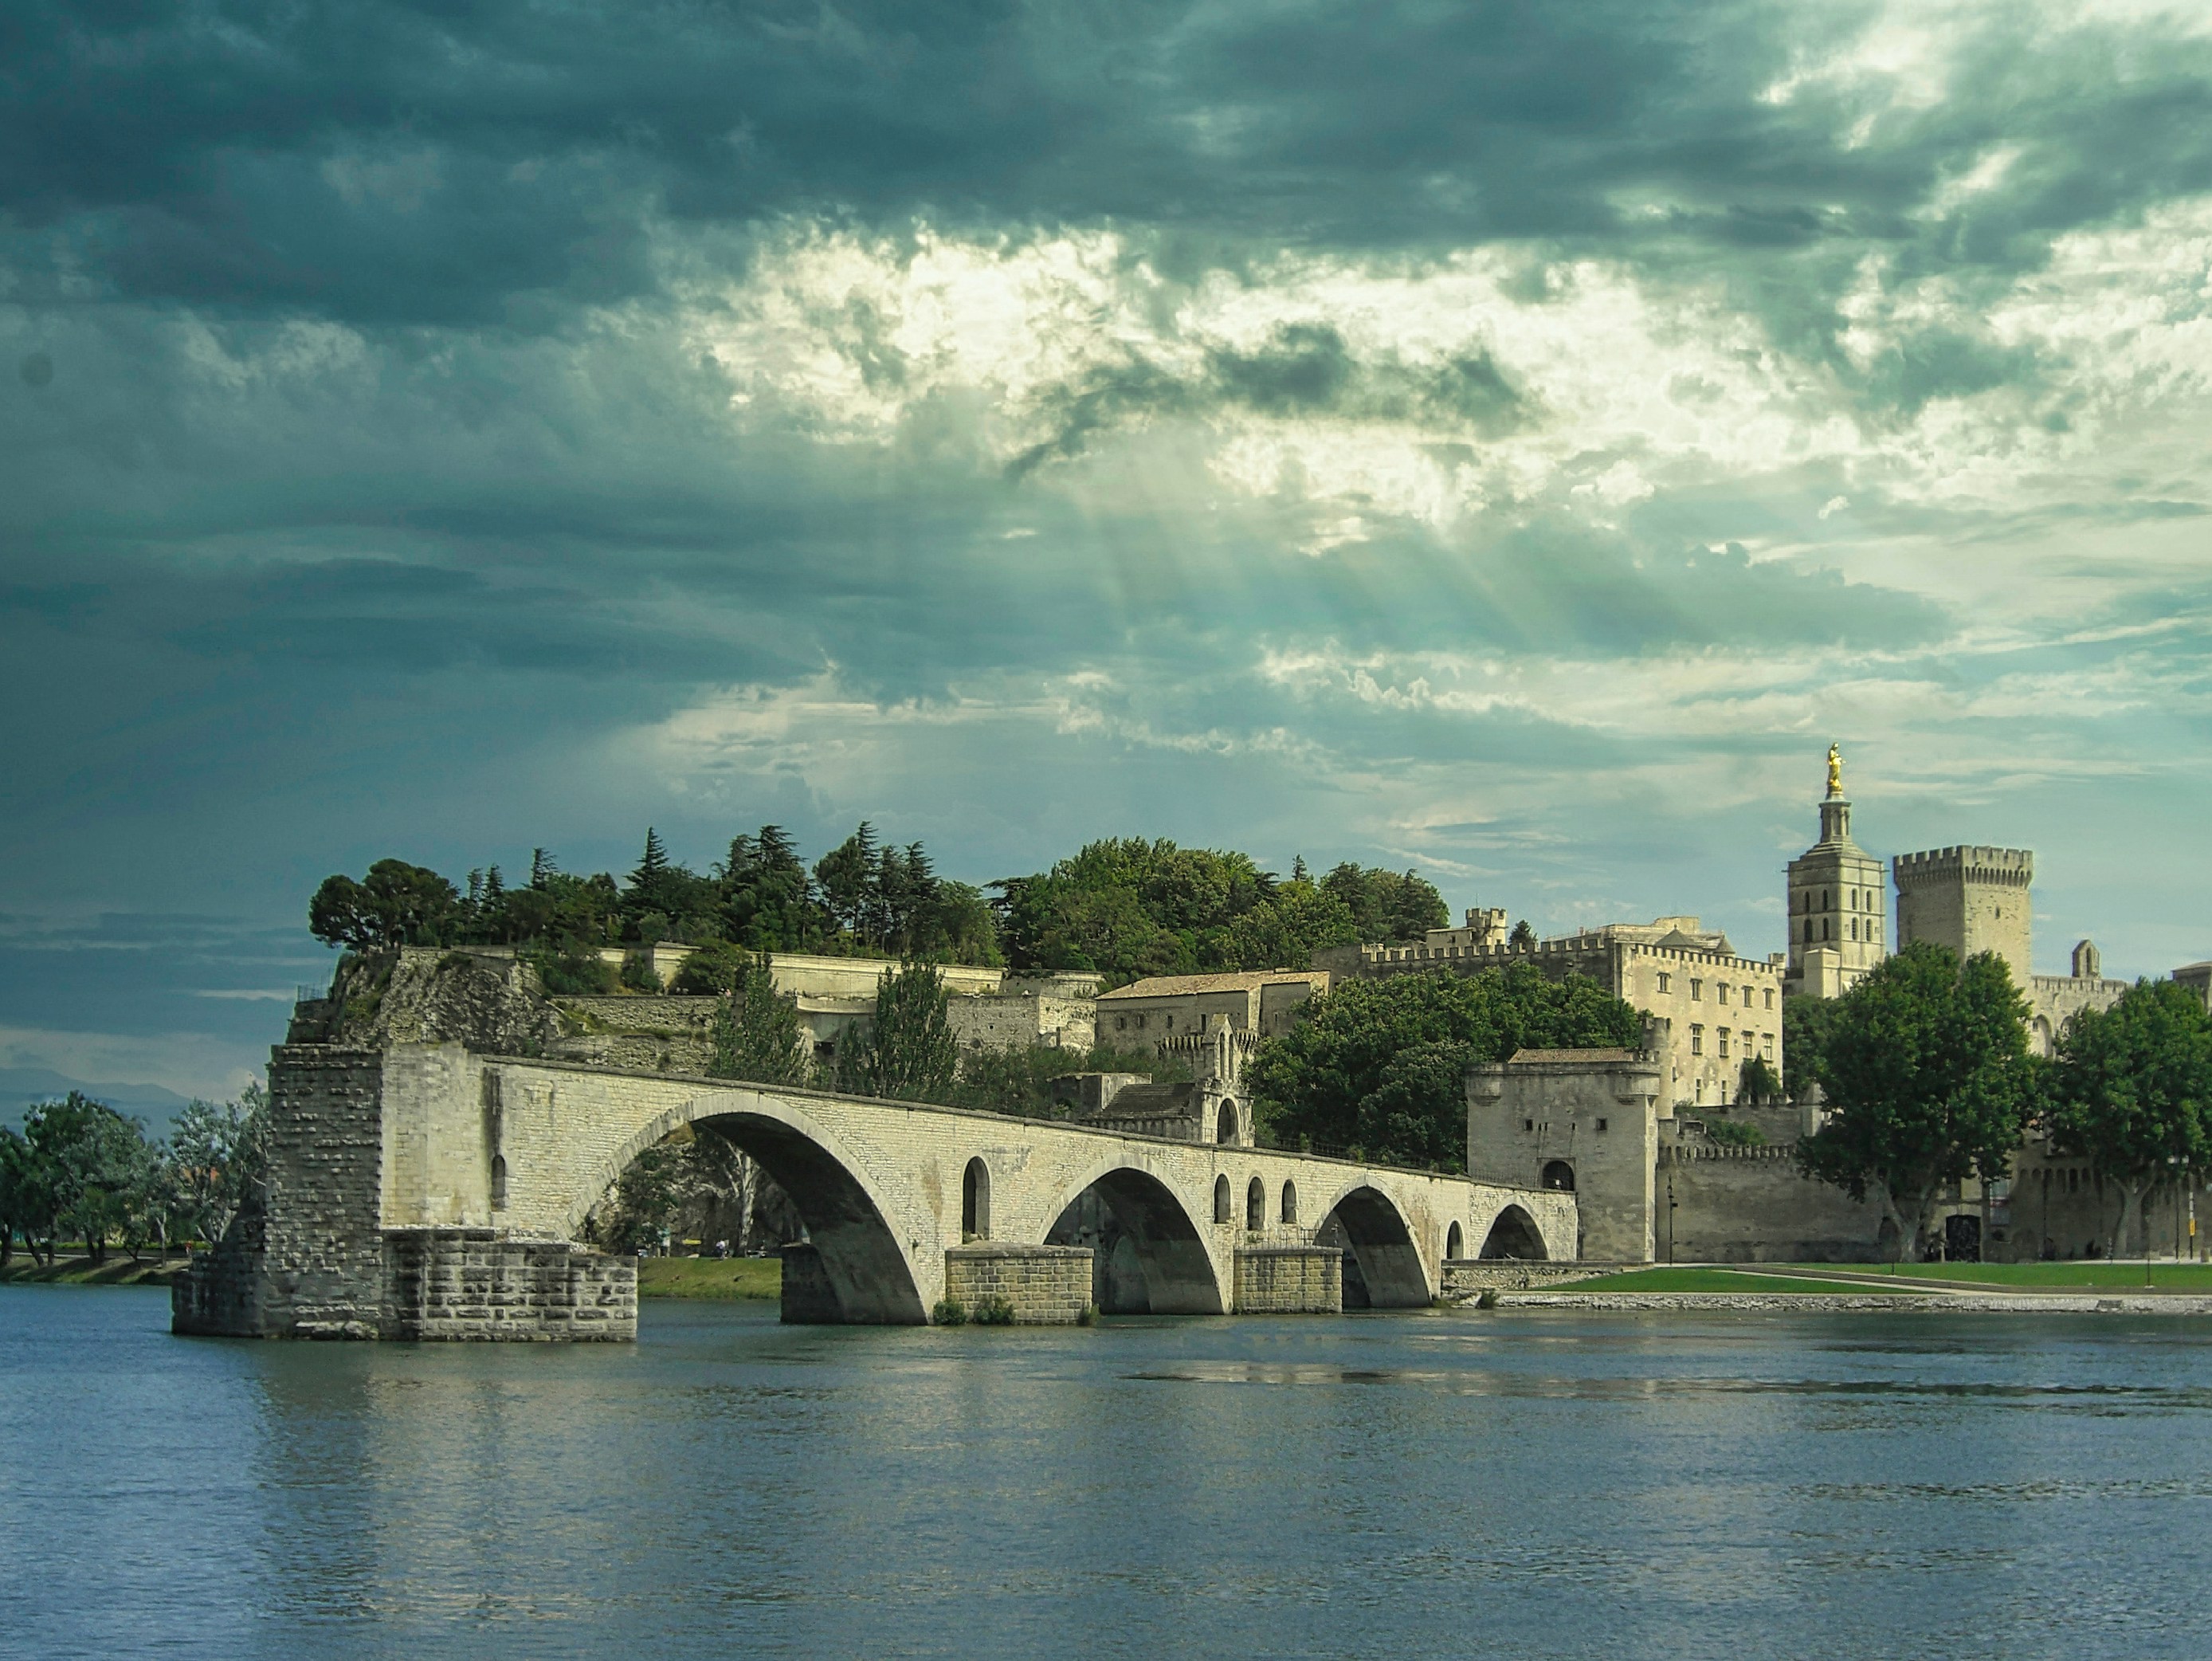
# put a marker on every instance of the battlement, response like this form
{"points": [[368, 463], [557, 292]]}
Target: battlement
{"points": [[2010, 867]]}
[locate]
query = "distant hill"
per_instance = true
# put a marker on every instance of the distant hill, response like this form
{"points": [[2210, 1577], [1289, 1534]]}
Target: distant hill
{"points": [[20, 1086]]}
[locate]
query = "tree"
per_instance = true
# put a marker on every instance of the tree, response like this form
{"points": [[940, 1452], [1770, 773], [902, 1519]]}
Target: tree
{"points": [[96, 1162], [756, 1031], [1929, 1080], [396, 905], [1389, 906], [765, 901], [1756, 1085], [2131, 1087], [908, 1051], [218, 1151], [850, 881], [1285, 931], [1806, 1024], [1523, 937], [27, 1203], [1380, 1064], [713, 970]]}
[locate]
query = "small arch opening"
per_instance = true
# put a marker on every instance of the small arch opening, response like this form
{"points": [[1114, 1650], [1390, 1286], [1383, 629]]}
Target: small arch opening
{"points": [[1290, 1201], [1255, 1205], [1224, 1202], [1454, 1241], [1514, 1234], [499, 1182], [1225, 1129], [975, 1202], [1558, 1176]]}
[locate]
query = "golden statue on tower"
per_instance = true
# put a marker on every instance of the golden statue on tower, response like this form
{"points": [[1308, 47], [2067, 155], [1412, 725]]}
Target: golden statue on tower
{"points": [[1835, 772]]}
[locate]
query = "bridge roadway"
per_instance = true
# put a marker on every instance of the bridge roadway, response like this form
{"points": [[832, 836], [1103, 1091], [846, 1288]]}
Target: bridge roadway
{"points": [[886, 1189]]}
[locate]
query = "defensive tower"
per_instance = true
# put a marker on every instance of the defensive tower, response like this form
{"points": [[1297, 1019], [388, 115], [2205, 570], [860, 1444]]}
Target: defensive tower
{"points": [[1972, 899], [1837, 933]]}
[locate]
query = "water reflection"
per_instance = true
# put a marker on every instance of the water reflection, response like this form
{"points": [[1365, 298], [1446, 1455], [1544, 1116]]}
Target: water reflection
{"points": [[1608, 1486]]}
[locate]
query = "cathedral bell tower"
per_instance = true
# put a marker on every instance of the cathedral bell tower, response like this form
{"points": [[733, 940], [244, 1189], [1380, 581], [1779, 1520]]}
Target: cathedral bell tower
{"points": [[1838, 905]]}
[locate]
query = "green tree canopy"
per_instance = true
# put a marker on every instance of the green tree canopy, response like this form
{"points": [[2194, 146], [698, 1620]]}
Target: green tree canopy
{"points": [[217, 1153], [757, 1034], [908, 1051], [98, 1169], [2132, 1088], [396, 905], [1128, 908], [1929, 1082], [1381, 1065]]}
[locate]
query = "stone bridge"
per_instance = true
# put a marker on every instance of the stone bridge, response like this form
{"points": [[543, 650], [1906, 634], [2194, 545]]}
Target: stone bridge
{"points": [[428, 1190]]}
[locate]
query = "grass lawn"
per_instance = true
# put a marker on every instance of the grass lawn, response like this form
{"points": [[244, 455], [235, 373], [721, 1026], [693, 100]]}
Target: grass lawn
{"points": [[710, 1277], [1703, 1279], [2056, 1277]]}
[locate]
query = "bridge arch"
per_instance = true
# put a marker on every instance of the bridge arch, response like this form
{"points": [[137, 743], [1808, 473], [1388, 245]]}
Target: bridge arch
{"points": [[1383, 1269], [1513, 1233], [865, 1273], [1149, 1258]]}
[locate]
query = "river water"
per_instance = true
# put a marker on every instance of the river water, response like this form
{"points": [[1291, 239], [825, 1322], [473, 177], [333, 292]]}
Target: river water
{"points": [[1431, 1484]]}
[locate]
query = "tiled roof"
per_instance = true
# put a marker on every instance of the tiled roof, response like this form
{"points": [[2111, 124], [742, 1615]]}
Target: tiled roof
{"points": [[1176, 986]]}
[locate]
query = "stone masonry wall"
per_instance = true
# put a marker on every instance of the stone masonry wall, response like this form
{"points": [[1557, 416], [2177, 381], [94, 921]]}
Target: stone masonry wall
{"points": [[1047, 1284], [1748, 1205], [1289, 1280], [473, 1284], [322, 1270]]}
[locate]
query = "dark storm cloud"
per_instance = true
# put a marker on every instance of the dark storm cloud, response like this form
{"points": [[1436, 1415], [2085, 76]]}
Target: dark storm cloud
{"points": [[386, 162]]}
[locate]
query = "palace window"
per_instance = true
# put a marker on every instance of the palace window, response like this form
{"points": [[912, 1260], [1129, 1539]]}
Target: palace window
{"points": [[1766, 1045], [1697, 989], [1666, 982], [1600, 1125], [1697, 1040], [1723, 1035], [1770, 997], [1724, 993]]}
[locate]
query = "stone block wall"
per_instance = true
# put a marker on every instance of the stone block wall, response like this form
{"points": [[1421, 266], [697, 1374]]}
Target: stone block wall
{"points": [[321, 1269], [1464, 1277], [1749, 1205], [1047, 1284], [473, 1284], [1289, 1280]]}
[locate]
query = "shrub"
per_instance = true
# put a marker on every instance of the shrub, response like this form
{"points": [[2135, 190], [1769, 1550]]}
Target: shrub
{"points": [[1734, 1133], [993, 1312], [716, 970], [1087, 1316], [574, 969], [638, 973], [949, 1313]]}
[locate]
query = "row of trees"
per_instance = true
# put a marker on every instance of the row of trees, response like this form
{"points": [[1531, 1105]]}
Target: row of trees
{"points": [[1123, 908], [80, 1170], [861, 895], [1926, 1066], [1128, 908]]}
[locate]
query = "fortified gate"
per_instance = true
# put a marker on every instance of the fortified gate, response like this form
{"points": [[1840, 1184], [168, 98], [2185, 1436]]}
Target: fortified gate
{"points": [[428, 1191]]}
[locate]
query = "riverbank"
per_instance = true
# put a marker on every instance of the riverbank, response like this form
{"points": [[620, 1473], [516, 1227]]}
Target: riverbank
{"points": [[118, 1271], [710, 1277], [2022, 1288]]}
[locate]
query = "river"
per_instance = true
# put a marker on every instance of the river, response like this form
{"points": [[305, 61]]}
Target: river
{"points": [[1432, 1484]]}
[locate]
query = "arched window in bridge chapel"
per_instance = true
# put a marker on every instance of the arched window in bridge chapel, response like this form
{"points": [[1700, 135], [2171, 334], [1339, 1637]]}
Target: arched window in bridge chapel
{"points": [[1256, 1207], [975, 1202], [1290, 1201], [1224, 1206], [1224, 1131]]}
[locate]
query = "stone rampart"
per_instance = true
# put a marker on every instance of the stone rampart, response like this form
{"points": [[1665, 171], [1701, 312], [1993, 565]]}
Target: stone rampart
{"points": [[1750, 1205]]}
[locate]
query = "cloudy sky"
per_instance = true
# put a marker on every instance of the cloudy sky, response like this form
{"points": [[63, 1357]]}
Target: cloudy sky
{"points": [[1508, 440]]}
